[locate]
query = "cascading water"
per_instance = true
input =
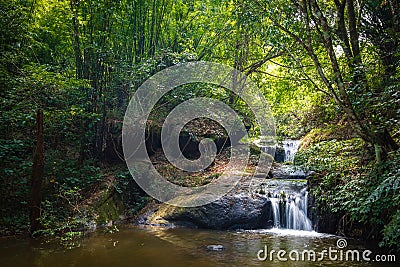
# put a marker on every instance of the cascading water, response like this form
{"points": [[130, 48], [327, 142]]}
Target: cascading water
{"points": [[275, 211], [287, 191], [290, 147], [291, 212]]}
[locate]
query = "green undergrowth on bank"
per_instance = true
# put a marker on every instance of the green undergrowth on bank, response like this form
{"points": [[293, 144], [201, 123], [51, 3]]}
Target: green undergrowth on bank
{"points": [[362, 194], [77, 197]]}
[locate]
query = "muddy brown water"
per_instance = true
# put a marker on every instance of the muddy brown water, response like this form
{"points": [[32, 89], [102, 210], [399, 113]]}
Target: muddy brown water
{"points": [[157, 246]]}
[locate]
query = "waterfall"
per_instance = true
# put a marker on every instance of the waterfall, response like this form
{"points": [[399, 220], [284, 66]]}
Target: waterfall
{"points": [[275, 211], [290, 147], [289, 197], [294, 215]]}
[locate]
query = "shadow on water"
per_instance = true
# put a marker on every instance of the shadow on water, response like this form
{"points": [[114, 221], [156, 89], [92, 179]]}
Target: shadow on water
{"points": [[156, 246]]}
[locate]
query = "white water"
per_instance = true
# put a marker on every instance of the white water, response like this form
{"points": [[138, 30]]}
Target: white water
{"points": [[290, 147], [275, 210], [291, 213], [289, 232]]}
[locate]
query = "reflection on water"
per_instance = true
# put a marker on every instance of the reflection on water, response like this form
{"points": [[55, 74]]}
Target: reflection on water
{"points": [[154, 246]]}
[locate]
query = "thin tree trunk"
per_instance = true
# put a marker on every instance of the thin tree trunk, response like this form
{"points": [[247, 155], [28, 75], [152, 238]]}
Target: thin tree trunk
{"points": [[37, 177], [76, 42], [355, 45], [342, 31]]}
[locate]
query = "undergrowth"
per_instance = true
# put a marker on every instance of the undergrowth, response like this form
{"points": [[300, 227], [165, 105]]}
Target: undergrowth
{"points": [[348, 182]]}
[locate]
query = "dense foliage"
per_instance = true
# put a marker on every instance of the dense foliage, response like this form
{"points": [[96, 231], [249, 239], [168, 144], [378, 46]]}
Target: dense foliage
{"points": [[326, 68], [362, 195]]}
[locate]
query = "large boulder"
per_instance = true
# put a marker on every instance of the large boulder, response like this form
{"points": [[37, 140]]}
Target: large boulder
{"points": [[242, 211]]}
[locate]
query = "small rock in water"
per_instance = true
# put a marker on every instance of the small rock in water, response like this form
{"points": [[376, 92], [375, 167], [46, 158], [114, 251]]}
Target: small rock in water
{"points": [[215, 247]]}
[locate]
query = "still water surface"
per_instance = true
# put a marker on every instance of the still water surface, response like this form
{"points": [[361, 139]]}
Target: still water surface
{"points": [[156, 246]]}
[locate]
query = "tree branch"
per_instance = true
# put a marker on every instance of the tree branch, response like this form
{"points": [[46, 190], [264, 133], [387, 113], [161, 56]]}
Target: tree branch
{"points": [[254, 66]]}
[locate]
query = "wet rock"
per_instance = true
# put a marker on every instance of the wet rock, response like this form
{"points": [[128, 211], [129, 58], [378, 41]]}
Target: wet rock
{"points": [[279, 154], [215, 247], [324, 221], [280, 171], [242, 211]]}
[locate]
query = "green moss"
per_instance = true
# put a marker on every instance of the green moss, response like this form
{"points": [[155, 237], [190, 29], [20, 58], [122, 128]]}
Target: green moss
{"points": [[327, 133], [254, 150], [109, 207]]}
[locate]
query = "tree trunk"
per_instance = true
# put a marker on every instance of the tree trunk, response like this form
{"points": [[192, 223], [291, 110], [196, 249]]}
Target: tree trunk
{"points": [[76, 41], [384, 143], [37, 177]]}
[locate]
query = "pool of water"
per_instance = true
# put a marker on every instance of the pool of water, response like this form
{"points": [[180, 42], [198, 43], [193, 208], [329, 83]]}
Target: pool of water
{"points": [[157, 246]]}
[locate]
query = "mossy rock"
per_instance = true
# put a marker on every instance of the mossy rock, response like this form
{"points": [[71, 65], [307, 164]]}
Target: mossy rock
{"points": [[109, 208], [255, 150]]}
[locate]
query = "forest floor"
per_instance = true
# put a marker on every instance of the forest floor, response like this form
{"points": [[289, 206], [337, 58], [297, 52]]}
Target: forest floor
{"points": [[189, 179]]}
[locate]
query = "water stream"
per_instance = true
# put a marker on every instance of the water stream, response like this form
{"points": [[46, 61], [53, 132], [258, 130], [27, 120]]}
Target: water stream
{"points": [[290, 147], [156, 246], [289, 202], [291, 212]]}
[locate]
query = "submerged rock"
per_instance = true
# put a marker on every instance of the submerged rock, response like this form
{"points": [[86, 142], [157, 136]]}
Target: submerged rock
{"points": [[215, 247]]}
